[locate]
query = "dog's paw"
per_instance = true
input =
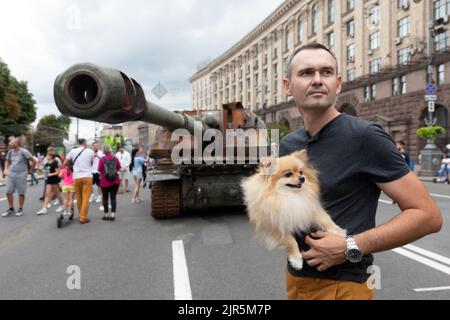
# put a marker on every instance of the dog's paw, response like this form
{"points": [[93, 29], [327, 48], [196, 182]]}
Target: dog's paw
{"points": [[296, 262]]}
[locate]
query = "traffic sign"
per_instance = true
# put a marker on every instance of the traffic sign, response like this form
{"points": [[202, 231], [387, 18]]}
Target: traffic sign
{"points": [[431, 106], [430, 97], [430, 88]]}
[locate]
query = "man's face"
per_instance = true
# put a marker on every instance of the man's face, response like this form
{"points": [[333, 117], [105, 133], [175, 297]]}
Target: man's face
{"points": [[314, 83], [95, 147], [13, 143]]}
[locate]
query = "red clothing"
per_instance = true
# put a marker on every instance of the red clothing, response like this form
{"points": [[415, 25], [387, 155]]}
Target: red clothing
{"points": [[105, 183]]}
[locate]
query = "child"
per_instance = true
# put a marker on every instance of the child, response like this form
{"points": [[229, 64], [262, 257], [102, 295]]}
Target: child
{"points": [[68, 188]]}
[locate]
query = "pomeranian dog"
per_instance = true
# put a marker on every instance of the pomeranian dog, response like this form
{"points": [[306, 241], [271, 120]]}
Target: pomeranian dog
{"points": [[283, 198]]}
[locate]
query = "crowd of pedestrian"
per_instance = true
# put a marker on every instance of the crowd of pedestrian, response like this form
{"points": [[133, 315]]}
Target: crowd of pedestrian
{"points": [[80, 177]]}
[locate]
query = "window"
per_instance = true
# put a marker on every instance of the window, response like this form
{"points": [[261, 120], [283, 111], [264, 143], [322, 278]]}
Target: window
{"points": [[351, 74], [370, 93], [395, 87], [350, 5], [299, 30], [314, 19], [351, 29], [404, 27], [330, 39], [374, 66], [256, 80], [402, 84], [442, 41], [374, 40], [441, 74], [275, 70], [330, 11], [374, 15], [266, 59], [287, 39], [441, 9], [275, 86], [275, 53], [404, 55], [351, 53]]}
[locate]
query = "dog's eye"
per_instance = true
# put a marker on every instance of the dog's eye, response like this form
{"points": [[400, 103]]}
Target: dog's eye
{"points": [[301, 172], [288, 174]]}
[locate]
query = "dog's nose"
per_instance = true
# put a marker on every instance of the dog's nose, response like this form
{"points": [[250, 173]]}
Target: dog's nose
{"points": [[302, 179]]}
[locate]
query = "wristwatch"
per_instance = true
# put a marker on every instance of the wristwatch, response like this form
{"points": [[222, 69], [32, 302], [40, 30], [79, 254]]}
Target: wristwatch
{"points": [[353, 253]]}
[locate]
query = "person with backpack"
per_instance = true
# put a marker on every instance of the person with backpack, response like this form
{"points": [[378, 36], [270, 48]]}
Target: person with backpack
{"points": [[18, 164], [108, 168]]}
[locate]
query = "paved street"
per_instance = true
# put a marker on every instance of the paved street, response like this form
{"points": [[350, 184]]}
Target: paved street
{"points": [[133, 257]]}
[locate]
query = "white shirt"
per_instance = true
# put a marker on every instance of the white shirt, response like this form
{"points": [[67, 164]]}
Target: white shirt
{"points": [[97, 157], [83, 165], [125, 160]]}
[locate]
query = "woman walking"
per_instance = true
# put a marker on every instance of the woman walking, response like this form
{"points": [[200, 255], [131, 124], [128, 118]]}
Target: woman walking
{"points": [[138, 174], [52, 168], [108, 168]]}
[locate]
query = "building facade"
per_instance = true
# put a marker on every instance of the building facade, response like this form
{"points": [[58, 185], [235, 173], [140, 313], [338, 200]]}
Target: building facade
{"points": [[381, 49]]}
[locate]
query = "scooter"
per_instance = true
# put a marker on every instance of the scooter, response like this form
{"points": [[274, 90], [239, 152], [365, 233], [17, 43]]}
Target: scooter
{"points": [[63, 220]]}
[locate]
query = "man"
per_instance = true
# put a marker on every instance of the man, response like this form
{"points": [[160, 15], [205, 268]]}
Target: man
{"points": [[82, 160], [401, 146], [19, 163], [95, 175], [356, 159], [125, 161]]}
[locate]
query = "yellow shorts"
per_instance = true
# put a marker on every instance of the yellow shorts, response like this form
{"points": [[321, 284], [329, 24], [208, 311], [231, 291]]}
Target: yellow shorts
{"points": [[68, 189]]}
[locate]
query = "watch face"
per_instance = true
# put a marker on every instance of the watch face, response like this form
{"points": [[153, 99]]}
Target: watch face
{"points": [[354, 255]]}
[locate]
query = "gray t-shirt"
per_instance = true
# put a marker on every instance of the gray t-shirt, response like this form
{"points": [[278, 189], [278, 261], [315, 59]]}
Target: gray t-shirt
{"points": [[18, 162], [351, 155]]}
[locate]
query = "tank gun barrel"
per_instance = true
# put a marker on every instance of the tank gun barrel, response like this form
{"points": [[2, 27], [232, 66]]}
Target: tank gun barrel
{"points": [[92, 92]]}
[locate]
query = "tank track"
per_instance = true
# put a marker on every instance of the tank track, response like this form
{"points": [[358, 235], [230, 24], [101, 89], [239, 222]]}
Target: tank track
{"points": [[166, 199]]}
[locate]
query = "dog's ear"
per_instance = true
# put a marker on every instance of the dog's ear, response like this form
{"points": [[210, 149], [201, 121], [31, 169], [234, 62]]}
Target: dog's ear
{"points": [[301, 155], [267, 165]]}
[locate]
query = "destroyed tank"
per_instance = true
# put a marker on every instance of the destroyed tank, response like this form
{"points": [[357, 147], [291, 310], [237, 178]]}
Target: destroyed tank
{"points": [[201, 156]]}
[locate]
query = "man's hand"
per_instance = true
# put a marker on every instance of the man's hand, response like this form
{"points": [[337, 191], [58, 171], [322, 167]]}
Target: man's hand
{"points": [[327, 251]]}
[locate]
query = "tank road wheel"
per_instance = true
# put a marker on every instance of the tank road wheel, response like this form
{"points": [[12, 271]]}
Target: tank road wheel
{"points": [[166, 199]]}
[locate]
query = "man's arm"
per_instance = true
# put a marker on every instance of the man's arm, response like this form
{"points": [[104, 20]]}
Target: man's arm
{"points": [[420, 216], [32, 165]]}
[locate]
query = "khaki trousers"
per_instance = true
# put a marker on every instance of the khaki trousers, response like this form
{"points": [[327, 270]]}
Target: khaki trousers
{"points": [[83, 190], [303, 288]]}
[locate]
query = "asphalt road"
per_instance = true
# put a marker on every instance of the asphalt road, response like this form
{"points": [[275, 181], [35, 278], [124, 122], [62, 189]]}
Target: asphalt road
{"points": [[133, 258]]}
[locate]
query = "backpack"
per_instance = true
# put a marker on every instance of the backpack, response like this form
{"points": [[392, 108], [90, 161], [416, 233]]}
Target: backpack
{"points": [[110, 169]]}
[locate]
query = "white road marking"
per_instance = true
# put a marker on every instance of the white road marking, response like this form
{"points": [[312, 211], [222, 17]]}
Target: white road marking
{"points": [[428, 262], [181, 283], [385, 201], [428, 254], [432, 289], [440, 195], [3, 199]]}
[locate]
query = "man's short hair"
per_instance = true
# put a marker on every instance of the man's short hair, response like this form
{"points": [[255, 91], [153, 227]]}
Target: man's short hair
{"points": [[81, 141], [309, 46]]}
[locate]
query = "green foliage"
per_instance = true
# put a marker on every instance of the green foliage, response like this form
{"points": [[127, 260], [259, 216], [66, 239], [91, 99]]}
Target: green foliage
{"points": [[430, 132], [281, 126], [17, 106], [52, 130]]}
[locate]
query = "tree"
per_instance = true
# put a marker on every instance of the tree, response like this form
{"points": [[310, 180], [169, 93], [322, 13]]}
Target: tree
{"points": [[51, 130], [17, 106]]}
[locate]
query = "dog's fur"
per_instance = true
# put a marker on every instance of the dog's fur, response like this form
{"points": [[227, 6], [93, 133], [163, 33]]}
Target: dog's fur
{"points": [[283, 198]]}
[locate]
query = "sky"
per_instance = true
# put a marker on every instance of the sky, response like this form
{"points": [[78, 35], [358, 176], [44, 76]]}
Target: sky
{"points": [[153, 41]]}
